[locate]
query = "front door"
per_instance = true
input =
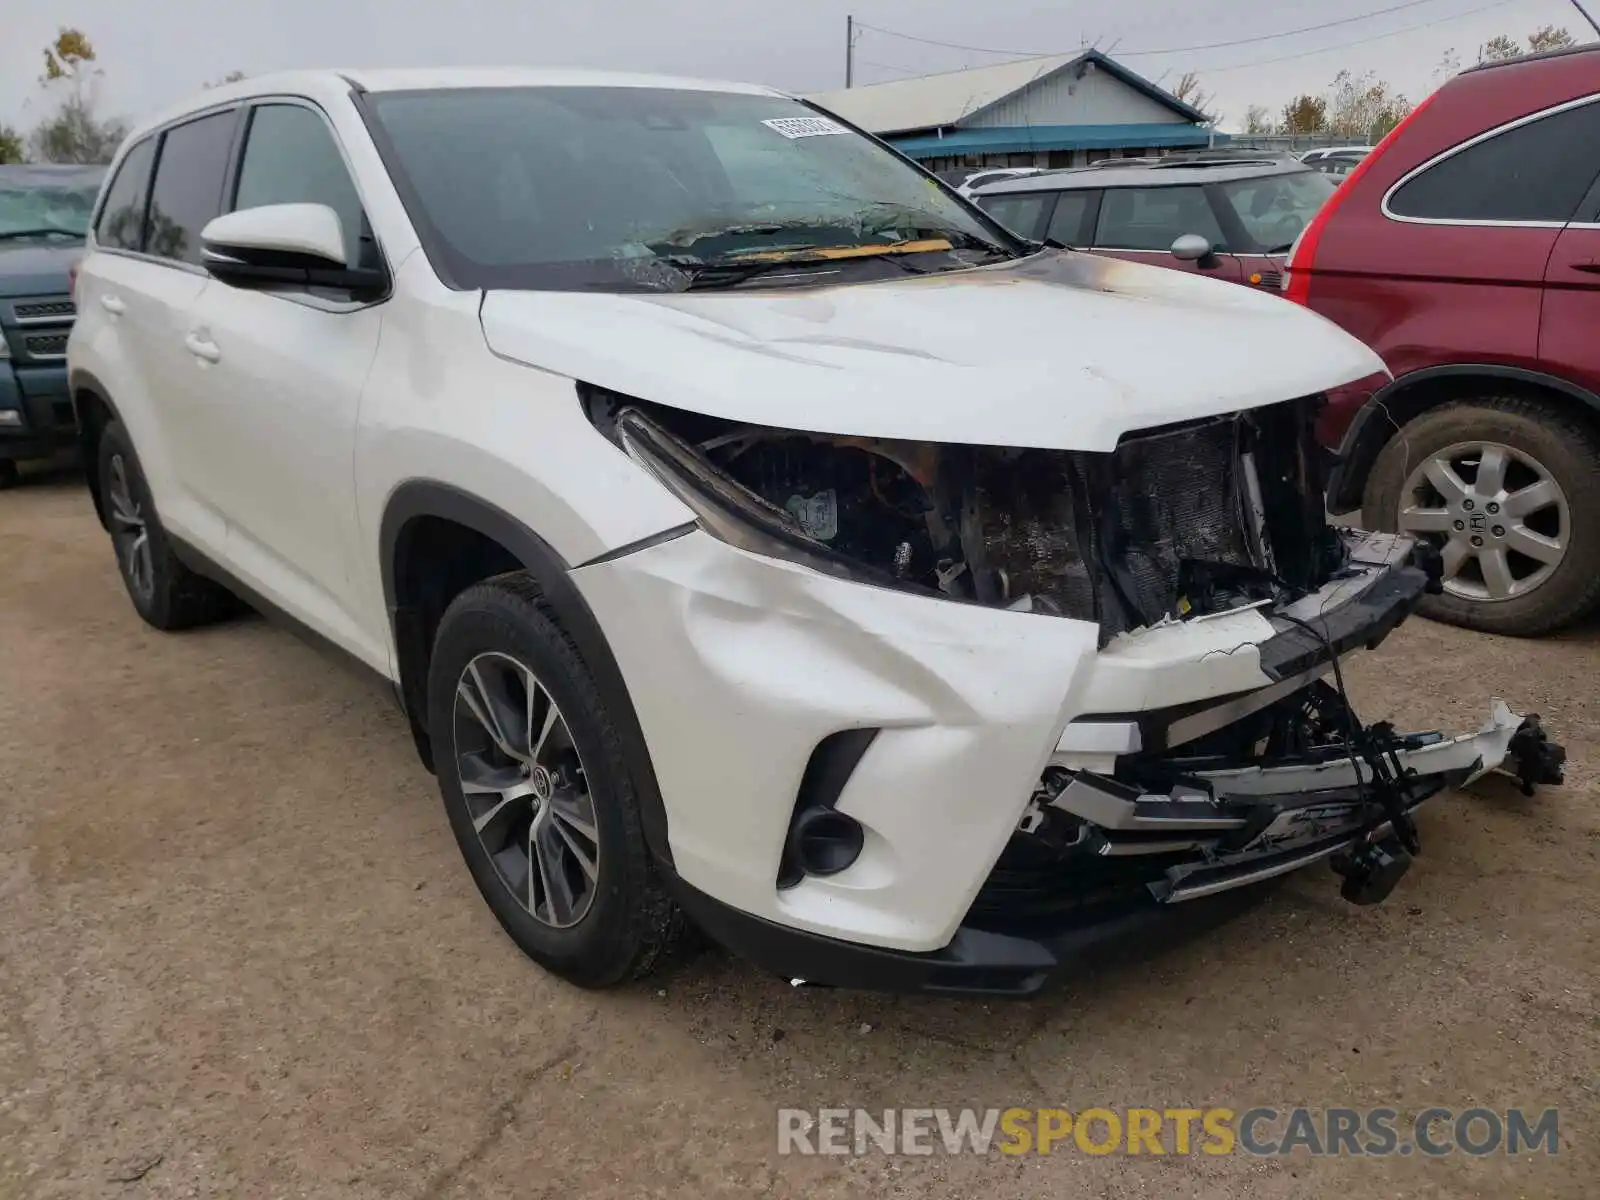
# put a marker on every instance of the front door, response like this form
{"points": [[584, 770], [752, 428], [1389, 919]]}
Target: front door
{"points": [[1141, 223], [287, 368]]}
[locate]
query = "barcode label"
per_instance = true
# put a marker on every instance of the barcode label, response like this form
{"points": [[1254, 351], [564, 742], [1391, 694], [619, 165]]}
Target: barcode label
{"points": [[799, 127]]}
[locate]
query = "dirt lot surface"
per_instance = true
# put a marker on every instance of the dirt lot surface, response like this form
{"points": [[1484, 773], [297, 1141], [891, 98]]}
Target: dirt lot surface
{"points": [[239, 956]]}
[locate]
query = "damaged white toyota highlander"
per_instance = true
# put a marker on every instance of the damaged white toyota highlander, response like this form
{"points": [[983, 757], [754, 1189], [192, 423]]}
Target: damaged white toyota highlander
{"points": [[756, 535]]}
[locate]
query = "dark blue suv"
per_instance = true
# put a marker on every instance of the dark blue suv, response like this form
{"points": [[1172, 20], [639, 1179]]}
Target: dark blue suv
{"points": [[44, 215]]}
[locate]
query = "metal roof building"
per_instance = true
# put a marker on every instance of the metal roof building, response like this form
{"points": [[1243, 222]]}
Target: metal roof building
{"points": [[1062, 110]]}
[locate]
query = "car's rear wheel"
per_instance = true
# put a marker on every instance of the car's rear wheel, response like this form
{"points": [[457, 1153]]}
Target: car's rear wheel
{"points": [[164, 592], [540, 796], [10, 474], [1509, 491]]}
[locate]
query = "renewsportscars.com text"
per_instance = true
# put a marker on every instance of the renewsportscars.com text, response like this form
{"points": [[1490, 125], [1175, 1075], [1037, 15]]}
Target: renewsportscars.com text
{"points": [[1263, 1132]]}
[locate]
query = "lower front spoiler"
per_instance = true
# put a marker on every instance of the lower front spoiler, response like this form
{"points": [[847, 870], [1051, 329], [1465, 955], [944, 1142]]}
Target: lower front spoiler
{"points": [[977, 961], [1232, 832]]}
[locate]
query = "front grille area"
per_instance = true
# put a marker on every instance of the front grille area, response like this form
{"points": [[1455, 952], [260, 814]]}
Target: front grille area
{"points": [[1176, 497], [45, 345], [50, 309]]}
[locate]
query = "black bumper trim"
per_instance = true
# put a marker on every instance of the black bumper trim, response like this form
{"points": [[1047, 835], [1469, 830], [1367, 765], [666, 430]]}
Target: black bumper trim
{"points": [[976, 961], [1364, 621]]}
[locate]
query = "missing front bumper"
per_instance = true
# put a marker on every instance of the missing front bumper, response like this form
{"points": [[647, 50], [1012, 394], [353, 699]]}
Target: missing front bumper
{"points": [[1224, 828]]}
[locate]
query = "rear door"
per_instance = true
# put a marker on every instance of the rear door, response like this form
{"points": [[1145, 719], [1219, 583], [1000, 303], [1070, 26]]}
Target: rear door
{"points": [[146, 288], [1141, 223], [1438, 252], [1569, 326]]}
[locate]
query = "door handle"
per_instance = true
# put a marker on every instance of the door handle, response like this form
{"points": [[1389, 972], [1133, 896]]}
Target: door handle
{"points": [[203, 348], [113, 305], [1592, 267]]}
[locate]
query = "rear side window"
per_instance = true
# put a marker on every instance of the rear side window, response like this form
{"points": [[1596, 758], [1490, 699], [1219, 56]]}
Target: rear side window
{"points": [[1534, 172], [1066, 223], [1020, 212], [1154, 218], [188, 187], [290, 157], [122, 219]]}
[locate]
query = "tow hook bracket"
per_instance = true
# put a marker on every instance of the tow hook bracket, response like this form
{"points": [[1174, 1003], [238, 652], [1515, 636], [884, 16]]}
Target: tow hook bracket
{"points": [[1371, 870], [1533, 758]]}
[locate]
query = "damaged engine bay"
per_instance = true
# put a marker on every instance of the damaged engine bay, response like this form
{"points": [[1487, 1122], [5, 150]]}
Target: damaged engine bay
{"points": [[1177, 524]]}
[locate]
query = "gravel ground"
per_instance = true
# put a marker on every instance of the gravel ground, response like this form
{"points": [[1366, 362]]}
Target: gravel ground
{"points": [[239, 956]]}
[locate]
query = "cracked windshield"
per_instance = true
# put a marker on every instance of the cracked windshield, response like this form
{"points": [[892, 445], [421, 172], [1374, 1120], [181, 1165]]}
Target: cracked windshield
{"points": [[644, 189]]}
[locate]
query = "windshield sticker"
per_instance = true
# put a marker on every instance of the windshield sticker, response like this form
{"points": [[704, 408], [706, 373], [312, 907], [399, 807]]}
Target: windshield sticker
{"points": [[799, 127]]}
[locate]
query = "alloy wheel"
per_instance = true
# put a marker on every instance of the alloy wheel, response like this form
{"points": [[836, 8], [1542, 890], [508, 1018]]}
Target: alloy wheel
{"points": [[1496, 513], [526, 790], [130, 534]]}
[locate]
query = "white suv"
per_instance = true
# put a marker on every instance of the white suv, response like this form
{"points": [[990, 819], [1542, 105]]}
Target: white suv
{"points": [[753, 531]]}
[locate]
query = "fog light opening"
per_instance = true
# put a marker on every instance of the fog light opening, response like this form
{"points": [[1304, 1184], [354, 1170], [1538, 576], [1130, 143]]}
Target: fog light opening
{"points": [[824, 841]]}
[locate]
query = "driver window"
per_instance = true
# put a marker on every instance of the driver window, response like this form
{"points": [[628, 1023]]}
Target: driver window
{"points": [[290, 157], [1154, 218]]}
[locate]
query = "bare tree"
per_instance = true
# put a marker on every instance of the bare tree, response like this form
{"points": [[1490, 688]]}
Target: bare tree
{"points": [[230, 77], [75, 133], [1258, 119], [1449, 67], [1189, 91], [1363, 106]]}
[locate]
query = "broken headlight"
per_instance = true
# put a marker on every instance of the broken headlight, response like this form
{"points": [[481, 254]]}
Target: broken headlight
{"points": [[789, 496]]}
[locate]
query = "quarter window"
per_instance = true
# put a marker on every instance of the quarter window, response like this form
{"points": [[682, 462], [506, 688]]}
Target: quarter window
{"points": [[290, 157], [122, 219], [188, 188], [1154, 218], [1534, 172]]}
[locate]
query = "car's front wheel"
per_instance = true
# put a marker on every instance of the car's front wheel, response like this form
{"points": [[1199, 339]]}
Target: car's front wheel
{"points": [[540, 796], [1509, 492]]}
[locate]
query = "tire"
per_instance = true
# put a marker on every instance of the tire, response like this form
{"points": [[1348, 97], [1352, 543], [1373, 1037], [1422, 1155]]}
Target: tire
{"points": [[164, 592], [628, 926], [1533, 436], [10, 474]]}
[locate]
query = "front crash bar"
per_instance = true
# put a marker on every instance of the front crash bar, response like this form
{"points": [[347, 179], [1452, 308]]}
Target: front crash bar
{"points": [[1260, 822]]}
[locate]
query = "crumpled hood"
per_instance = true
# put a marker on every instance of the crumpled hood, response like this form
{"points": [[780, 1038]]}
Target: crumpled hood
{"points": [[1060, 351]]}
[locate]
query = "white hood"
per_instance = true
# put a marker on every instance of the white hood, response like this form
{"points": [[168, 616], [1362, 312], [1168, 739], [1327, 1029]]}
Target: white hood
{"points": [[1058, 351]]}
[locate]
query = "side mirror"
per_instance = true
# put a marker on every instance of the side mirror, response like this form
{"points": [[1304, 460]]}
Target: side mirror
{"points": [[283, 245], [1191, 247]]}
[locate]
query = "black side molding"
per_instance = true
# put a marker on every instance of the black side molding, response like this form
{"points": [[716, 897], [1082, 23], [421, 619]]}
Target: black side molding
{"points": [[202, 564]]}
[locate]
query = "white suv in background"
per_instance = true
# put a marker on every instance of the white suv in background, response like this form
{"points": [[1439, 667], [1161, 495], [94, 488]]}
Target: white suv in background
{"points": [[753, 531]]}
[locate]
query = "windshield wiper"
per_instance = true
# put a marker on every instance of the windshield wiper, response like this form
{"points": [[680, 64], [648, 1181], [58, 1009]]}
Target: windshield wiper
{"points": [[709, 274], [41, 231]]}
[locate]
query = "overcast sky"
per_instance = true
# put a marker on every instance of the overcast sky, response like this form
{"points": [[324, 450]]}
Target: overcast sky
{"points": [[156, 51]]}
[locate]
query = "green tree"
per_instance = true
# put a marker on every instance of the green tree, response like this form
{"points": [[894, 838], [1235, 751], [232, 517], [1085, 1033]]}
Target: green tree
{"points": [[1305, 114], [11, 147], [1549, 38], [1499, 49], [74, 132]]}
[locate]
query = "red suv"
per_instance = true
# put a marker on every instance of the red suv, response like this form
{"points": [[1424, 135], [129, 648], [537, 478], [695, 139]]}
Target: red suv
{"points": [[1466, 251]]}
